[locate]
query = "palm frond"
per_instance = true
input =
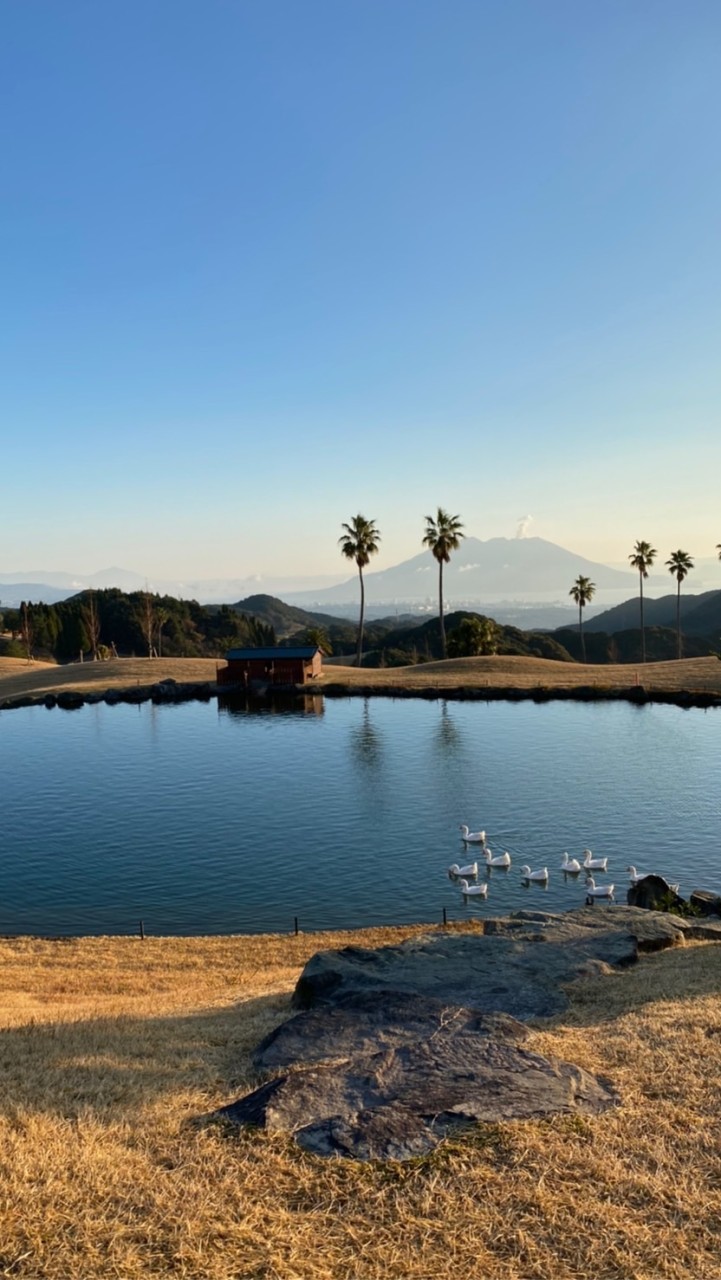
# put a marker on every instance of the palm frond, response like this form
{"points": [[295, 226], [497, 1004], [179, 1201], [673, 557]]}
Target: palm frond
{"points": [[642, 557], [443, 534], [679, 564]]}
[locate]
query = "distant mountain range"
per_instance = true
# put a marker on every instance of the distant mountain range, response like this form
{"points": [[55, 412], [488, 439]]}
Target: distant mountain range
{"points": [[499, 569], [524, 581]]}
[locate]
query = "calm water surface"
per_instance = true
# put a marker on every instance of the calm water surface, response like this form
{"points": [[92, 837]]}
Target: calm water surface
{"points": [[200, 819]]}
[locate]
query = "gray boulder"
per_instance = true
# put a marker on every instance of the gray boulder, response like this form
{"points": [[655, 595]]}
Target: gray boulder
{"points": [[394, 1047], [363, 1025], [520, 965], [442, 1068], [705, 902], [653, 893]]}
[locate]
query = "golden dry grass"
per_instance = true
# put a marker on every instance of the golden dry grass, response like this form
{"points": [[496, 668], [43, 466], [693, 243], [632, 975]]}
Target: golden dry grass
{"points": [[524, 673], [19, 678], [110, 1046]]}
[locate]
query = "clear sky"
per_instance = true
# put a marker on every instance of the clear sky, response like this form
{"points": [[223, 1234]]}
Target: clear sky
{"points": [[267, 264]]}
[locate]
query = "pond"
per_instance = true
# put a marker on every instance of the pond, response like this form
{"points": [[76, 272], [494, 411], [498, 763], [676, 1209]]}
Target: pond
{"points": [[206, 818]]}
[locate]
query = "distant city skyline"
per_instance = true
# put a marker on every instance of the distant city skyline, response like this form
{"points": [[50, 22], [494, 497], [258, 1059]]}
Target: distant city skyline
{"points": [[265, 267]]}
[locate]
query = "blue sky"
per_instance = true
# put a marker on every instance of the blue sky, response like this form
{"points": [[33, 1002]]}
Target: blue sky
{"points": [[265, 265]]}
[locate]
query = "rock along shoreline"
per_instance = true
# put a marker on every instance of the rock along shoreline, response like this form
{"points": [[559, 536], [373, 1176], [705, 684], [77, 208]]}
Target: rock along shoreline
{"points": [[171, 691]]}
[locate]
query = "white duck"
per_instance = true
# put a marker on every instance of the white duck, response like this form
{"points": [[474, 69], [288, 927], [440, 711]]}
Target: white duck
{"points": [[593, 864], [594, 890], [500, 860], [527, 874], [455, 871], [472, 837], [570, 865], [479, 890]]}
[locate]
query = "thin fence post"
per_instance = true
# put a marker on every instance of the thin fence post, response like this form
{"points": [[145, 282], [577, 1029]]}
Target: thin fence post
{"points": [[295, 923], [142, 932], [445, 918]]}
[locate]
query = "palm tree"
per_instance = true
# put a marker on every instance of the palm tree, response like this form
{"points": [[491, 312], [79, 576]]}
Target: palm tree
{"points": [[443, 535], [679, 564], [642, 557], [359, 542], [319, 637], [583, 591]]}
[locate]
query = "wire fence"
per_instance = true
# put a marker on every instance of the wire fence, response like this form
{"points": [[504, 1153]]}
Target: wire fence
{"points": [[144, 927]]}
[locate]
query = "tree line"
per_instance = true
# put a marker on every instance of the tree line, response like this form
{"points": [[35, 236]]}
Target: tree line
{"points": [[443, 533], [361, 539], [679, 565], [110, 623]]}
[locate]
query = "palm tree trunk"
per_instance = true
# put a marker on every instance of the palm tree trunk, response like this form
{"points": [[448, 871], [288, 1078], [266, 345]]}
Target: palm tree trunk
{"points": [[678, 618], [440, 608], [580, 627], [643, 633], [359, 658]]}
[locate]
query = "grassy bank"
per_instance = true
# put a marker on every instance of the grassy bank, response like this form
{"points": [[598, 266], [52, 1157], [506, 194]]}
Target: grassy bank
{"points": [[703, 675], [111, 1047]]}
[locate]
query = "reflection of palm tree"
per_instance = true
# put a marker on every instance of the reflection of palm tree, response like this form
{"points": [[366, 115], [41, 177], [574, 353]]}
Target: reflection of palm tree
{"points": [[366, 742], [448, 737], [679, 564], [642, 557], [360, 542], [582, 592], [443, 535]]}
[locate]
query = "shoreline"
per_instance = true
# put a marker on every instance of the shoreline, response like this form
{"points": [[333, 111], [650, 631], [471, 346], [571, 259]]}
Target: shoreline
{"points": [[686, 683], [160, 693]]}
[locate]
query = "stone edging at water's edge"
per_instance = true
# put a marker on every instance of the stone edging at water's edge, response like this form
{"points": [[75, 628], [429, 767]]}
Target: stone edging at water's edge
{"points": [[169, 691]]}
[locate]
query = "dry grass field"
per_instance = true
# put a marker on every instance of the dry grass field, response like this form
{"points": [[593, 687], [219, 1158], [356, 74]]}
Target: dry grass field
{"points": [[111, 1047], [524, 673], [19, 678]]}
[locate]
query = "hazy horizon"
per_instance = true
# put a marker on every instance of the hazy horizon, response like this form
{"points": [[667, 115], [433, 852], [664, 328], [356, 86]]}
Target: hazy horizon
{"points": [[484, 585]]}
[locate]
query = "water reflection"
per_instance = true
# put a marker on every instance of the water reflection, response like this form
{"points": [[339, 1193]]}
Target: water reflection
{"points": [[448, 737], [366, 743], [244, 704]]}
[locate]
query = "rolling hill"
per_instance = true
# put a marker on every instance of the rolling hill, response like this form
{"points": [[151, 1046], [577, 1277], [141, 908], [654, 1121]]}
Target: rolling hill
{"points": [[700, 614]]}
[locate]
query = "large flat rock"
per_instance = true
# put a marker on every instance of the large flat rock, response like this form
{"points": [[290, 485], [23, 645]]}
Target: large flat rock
{"points": [[439, 1070], [394, 1047], [363, 1025], [519, 965]]}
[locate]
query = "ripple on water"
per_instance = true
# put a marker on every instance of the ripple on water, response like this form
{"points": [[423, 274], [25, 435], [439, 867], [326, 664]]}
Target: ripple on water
{"points": [[202, 821]]}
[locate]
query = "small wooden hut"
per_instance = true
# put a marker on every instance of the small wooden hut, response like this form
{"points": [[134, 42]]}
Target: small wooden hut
{"points": [[295, 665]]}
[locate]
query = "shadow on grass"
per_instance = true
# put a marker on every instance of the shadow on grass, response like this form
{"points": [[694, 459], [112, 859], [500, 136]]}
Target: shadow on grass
{"points": [[108, 1067]]}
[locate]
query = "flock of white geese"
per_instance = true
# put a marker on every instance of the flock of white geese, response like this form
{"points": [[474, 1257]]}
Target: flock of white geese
{"points": [[466, 877]]}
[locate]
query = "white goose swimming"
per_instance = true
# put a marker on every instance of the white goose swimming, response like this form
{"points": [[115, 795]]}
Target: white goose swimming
{"points": [[527, 874], [472, 837], [500, 860], [477, 890], [594, 890], [455, 871], [593, 864], [570, 865]]}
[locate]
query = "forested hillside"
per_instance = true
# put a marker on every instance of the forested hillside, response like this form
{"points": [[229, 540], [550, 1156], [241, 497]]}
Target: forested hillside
{"points": [[140, 624], [103, 623]]}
